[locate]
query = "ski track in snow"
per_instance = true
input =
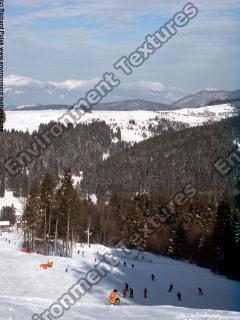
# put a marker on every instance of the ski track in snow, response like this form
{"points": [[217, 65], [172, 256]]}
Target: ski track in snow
{"points": [[25, 289]]}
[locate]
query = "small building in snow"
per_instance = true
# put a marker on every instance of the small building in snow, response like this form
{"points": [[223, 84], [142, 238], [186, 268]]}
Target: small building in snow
{"points": [[4, 226]]}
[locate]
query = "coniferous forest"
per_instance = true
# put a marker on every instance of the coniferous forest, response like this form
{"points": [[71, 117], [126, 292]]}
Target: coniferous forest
{"points": [[162, 195]]}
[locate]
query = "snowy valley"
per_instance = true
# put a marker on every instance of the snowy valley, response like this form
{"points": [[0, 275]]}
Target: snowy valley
{"points": [[134, 125]]}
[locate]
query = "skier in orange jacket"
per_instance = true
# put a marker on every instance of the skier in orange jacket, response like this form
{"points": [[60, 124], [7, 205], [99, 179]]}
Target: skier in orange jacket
{"points": [[113, 297]]}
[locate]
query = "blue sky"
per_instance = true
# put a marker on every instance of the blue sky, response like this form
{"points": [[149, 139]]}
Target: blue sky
{"points": [[64, 39]]}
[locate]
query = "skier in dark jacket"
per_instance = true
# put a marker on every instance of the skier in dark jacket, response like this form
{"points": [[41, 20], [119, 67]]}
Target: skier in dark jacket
{"points": [[126, 286], [153, 277], [145, 293], [170, 288], [131, 293], [179, 296], [200, 291]]}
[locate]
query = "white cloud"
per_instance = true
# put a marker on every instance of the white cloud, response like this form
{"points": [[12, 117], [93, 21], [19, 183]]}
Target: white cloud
{"points": [[144, 85], [13, 80], [203, 54], [76, 84], [115, 10]]}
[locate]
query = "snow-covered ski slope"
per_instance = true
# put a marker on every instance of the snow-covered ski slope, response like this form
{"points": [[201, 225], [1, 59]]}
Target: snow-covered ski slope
{"points": [[30, 120], [25, 289]]}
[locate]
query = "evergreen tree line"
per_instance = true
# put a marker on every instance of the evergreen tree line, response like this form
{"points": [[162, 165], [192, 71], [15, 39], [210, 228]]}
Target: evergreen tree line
{"points": [[207, 235], [166, 163], [56, 216], [132, 187], [79, 147]]}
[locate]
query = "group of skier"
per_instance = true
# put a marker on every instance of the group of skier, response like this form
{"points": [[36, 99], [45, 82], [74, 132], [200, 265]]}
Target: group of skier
{"points": [[113, 298], [126, 290]]}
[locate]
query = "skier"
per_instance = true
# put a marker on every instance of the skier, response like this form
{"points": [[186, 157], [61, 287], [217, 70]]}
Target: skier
{"points": [[50, 263], [66, 270], [124, 263], [153, 277], [131, 293], [113, 299], [126, 286], [125, 292], [200, 291], [170, 288], [132, 266], [179, 296], [78, 251], [145, 293], [83, 254]]}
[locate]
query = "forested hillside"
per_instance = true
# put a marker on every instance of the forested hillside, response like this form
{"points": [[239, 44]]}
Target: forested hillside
{"points": [[165, 164], [165, 191]]}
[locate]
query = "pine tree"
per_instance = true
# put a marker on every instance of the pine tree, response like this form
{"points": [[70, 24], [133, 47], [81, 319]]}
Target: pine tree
{"points": [[236, 253], [67, 207], [177, 242], [2, 185], [47, 195], [24, 184], [237, 228], [170, 250], [223, 237], [235, 265], [32, 217]]}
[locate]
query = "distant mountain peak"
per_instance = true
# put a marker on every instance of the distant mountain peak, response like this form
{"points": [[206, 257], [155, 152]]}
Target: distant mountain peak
{"points": [[204, 97]]}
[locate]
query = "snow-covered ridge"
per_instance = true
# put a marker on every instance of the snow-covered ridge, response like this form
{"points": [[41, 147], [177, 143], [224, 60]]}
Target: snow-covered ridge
{"points": [[30, 120]]}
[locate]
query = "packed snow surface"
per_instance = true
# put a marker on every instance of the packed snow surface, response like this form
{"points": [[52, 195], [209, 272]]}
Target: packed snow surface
{"points": [[30, 120], [25, 289]]}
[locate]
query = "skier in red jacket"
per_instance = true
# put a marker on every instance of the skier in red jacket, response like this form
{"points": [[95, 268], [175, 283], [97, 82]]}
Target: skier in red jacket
{"points": [[124, 292]]}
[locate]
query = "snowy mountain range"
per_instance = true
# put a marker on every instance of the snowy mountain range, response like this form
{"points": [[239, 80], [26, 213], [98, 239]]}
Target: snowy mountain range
{"points": [[32, 94], [204, 97], [21, 90]]}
